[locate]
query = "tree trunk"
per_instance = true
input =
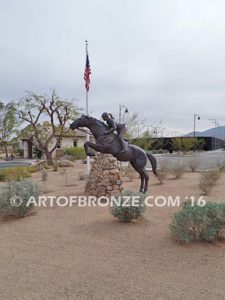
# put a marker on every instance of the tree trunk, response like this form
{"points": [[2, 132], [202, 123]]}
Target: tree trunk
{"points": [[49, 158], [6, 152]]}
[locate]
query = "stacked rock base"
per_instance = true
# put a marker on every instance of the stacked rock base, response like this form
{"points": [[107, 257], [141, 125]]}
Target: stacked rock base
{"points": [[104, 178]]}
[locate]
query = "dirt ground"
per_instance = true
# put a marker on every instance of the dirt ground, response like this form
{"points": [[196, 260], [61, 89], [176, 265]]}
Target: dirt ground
{"points": [[84, 253]]}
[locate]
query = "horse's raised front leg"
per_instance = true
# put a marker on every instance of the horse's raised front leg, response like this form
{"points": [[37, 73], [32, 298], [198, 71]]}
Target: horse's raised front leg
{"points": [[90, 145]]}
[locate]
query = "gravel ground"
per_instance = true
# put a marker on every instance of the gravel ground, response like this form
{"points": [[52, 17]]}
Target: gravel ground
{"points": [[84, 253]]}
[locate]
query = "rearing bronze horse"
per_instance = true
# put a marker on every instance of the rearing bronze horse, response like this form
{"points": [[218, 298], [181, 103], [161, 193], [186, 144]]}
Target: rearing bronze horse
{"points": [[109, 143]]}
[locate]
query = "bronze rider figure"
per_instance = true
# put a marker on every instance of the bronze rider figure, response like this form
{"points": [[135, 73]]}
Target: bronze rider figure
{"points": [[114, 126]]}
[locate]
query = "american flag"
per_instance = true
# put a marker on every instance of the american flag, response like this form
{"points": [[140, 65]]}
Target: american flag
{"points": [[87, 73]]}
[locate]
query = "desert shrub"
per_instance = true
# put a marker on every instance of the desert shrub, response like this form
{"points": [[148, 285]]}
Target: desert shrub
{"points": [[221, 166], [193, 163], [65, 163], [128, 212], [44, 174], [75, 153], [196, 222], [163, 171], [208, 180], [177, 170], [40, 164], [14, 173], [14, 193], [65, 178], [55, 165], [82, 176], [62, 171]]}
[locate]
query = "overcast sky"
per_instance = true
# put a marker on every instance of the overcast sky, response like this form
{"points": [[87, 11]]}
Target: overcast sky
{"points": [[162, 59]]}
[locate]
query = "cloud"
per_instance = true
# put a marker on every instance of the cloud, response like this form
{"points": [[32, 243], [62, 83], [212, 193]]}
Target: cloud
{"points": [[163, 59]]}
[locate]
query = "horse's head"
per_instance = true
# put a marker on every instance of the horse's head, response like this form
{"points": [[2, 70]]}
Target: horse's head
{"points": [[83, 121]]}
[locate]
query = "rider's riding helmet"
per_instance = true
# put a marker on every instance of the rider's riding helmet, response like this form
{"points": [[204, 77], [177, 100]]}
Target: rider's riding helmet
{"points": [[106, 116]]}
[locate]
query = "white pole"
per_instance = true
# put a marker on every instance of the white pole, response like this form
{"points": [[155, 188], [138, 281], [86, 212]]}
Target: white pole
{"points": [[87, 111]]}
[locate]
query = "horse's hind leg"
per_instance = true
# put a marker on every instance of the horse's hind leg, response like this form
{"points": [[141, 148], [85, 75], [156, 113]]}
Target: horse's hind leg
{"points": [[142, 182], [140, 171], [146, 176]]}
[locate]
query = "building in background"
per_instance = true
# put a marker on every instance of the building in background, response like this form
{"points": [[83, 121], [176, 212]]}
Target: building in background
{"points": [[68, 139]]}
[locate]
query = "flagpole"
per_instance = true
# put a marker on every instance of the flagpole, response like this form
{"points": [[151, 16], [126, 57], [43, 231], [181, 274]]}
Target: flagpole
{"points": [[87, 112]]}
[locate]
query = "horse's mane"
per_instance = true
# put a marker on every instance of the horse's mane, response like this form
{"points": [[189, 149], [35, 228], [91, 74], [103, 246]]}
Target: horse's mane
{"points": [[99, 122]]}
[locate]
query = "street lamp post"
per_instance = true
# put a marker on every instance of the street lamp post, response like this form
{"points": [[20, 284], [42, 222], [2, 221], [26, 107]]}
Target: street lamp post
{"points": [[120, 111], [215, 122], [198, 118]]}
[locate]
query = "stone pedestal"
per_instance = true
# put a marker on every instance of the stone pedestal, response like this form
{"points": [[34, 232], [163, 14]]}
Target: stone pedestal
{"points": [[104, 178]]}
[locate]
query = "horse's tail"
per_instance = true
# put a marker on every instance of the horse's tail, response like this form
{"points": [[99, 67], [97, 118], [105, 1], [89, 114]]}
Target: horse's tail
{"points": [[153, 162]]}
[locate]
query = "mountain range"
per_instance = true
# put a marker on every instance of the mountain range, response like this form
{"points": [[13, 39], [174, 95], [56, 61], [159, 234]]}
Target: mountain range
{"points": [[218, 132]]}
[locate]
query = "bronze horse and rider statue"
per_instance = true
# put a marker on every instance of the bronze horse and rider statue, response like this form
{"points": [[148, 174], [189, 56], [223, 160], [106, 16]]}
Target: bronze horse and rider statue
{"points": [[109, 137]]}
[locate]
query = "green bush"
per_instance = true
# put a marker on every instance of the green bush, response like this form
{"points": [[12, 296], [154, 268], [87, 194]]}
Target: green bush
{"points": [[32, 169], [75, 152], [145, 141], [13, 193], [196, 222], [186, 144], [128, 212], [15, 173], [37, 153]]}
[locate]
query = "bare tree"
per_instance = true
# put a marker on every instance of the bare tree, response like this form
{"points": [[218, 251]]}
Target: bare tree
{"points": [[134, 123], [33, 109]]}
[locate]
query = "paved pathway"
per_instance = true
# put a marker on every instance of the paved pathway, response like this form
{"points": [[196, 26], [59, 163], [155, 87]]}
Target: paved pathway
{"points": [[14, 163]]}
